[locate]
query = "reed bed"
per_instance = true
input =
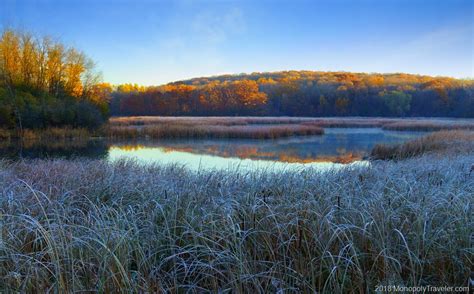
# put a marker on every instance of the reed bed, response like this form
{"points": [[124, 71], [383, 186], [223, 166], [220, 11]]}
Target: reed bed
{"points": [[48, 133], [211, 120], [236, 127], [5, 134], [213, 131], [428, 126], [65, 133], [439, 142], [86, 225], [395, 124], [348, 123]]}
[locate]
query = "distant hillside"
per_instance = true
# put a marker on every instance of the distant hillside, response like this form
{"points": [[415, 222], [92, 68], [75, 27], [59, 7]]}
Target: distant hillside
{"points": [[302, 93]]}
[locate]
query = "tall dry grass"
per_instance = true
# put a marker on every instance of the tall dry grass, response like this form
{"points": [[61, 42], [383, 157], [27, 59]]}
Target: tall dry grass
{"points": [[52, 133], [428, 126], [438, 142], [236, 127], [395, 124], [212, 131], [209, 120], [72, 226], [346, 123], [5, 134]]}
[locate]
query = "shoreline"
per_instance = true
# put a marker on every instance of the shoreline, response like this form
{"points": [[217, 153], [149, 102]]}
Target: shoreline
{"points": [[235, 127]]}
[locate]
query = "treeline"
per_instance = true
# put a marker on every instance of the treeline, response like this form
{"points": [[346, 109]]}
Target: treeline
{"points": [[301, 93], [43, 83]]}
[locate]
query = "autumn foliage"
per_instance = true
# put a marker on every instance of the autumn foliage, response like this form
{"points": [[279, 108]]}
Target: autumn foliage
{"points": [[43, 83], [302, 93], [241, 97]]}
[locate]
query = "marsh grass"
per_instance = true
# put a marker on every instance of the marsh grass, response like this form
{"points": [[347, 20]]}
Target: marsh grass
{"points": [[64, 133], [5, 134], [213, 131], [438, 142], [235, 127], [86, 225], [428, 126], [48, 133], [348, 122], [209, 120]]}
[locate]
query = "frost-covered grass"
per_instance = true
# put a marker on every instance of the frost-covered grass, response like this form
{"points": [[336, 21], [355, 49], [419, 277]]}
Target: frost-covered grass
{"points": [[86, 225]]}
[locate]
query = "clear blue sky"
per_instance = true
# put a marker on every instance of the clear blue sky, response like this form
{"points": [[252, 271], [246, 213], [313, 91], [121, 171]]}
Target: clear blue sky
{"points": [[154, 42]]}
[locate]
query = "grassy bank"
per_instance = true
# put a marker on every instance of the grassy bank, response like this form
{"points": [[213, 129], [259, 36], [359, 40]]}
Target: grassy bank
{"points": [[394, 124], [49, 133], [212, 131], [217, 127], [427, 126], [235, 127], [94, 226], [443, 142], [206, 120]]}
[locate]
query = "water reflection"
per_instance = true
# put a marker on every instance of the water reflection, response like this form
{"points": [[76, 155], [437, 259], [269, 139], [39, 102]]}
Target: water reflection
{"points": [[277, 150], [33, 149], [196, 161], [336, 147]]}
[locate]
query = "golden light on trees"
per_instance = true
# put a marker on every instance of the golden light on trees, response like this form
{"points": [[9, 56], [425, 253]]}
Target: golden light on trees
{"points": [[41, 76]]}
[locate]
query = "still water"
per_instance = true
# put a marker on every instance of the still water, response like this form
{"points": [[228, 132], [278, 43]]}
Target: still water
{"points": [[336, 147]]}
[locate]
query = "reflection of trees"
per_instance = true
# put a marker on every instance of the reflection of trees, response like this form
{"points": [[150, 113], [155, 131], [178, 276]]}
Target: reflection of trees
{"points": [[288, 155], [342, 158], [59, 148]]}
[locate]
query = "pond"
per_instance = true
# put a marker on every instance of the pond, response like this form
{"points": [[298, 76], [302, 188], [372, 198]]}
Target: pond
{"points": [[335, 148]]}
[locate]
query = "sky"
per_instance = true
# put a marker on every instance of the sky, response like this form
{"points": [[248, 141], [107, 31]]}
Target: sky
{"points": [[152, 42]]}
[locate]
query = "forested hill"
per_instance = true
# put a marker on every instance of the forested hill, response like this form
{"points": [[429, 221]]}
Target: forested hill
{"points": [[302, 93]]}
